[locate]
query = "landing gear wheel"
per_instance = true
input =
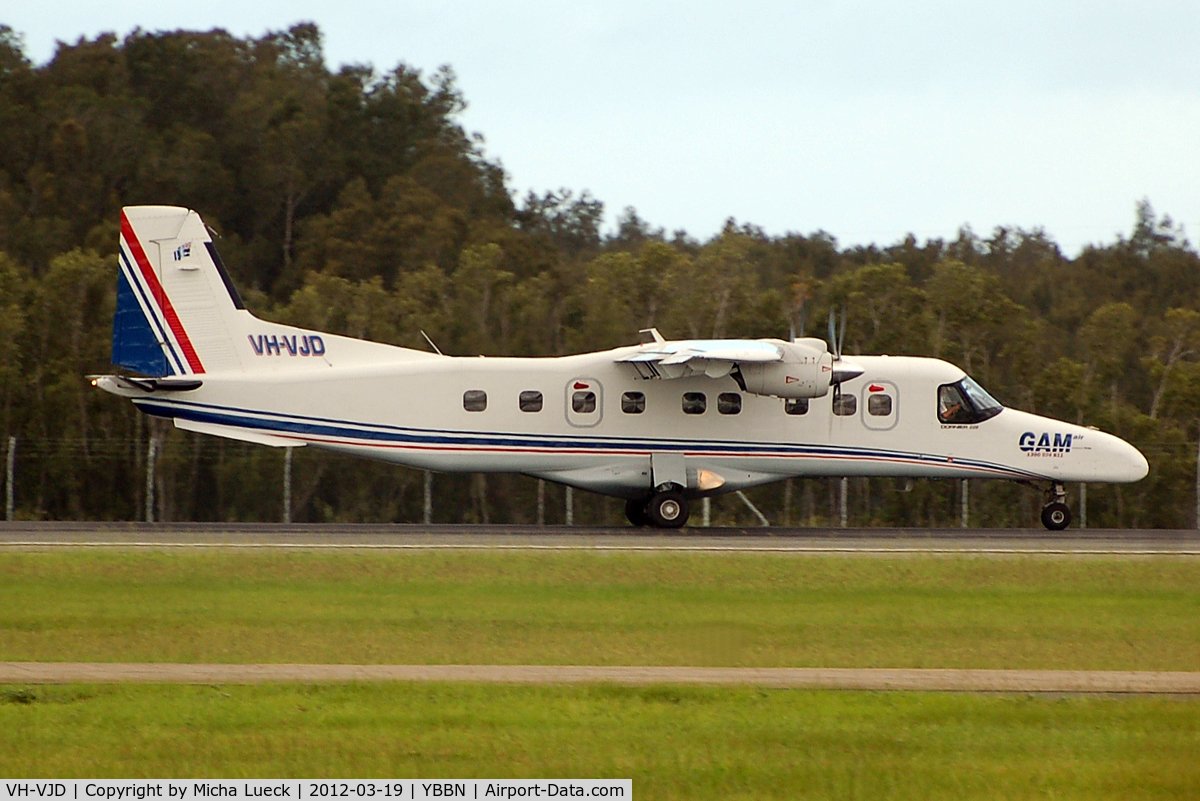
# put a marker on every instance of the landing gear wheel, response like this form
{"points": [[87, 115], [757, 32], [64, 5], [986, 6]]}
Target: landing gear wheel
{"points": [[668, 509], [1056, 516], [635, 512]]}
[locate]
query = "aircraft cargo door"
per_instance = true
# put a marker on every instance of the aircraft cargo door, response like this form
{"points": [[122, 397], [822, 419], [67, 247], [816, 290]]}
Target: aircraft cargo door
{"points": [[880, 405]]}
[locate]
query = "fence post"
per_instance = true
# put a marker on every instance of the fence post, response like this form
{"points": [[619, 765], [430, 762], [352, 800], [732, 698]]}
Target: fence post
{"points": [[845, 486], [287, 484], [965, 503], [427, 515], [541, 502], [1083, 506], [570, 507], [151, 453], [10, 463]]}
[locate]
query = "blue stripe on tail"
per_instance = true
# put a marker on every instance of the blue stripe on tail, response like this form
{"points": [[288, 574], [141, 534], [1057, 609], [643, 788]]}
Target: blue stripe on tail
{"points": [[134, 344]]}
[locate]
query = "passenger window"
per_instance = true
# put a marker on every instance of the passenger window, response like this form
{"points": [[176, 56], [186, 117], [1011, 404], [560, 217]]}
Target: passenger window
{"points": [[729, 403], [694, 403], [879, 405], [474, 400], [795, 406], [845, 405], [633, 402], [583, 401], [531, 401]]}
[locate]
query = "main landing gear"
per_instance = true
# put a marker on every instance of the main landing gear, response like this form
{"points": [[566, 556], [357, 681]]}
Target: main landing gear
{"points": [[667, 508], [1056, 515]]}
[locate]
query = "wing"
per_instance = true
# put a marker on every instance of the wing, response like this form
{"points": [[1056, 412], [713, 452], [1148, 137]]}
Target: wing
{"points": [[714, 358]]}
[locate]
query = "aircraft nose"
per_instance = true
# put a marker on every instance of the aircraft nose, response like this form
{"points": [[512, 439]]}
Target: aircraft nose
{"points": [[1139, 468], [1125, 463]]}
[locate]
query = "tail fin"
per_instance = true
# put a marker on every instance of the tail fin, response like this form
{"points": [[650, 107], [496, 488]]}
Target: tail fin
{"points": [[179, 314], [177, 310]]}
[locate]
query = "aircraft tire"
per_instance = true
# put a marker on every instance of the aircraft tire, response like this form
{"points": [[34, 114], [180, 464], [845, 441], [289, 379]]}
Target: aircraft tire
{"points": [[668, 509], [1056, 516], [635, 512]]}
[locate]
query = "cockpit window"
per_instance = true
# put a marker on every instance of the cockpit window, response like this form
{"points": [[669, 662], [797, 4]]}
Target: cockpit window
{"points": [[965, 402]]}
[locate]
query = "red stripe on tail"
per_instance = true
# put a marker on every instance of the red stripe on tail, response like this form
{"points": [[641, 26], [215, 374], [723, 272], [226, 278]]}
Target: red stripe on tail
{"points": [[156, 289]]}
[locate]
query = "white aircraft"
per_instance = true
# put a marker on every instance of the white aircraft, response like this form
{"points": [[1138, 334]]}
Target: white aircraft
{"points": [[658, 424]]}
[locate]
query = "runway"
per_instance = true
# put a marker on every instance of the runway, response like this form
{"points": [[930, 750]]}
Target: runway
{"points": [[1133, 542]]}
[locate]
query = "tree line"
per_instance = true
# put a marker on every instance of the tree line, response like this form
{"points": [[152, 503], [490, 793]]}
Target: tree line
{"points": [[353, 201]]}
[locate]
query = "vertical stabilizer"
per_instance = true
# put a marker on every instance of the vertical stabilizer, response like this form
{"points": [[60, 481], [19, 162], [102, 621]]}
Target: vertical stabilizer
{"points": [[177, 311]]}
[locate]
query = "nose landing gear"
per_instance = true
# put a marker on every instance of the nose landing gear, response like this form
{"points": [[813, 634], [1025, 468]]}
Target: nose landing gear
{"points": [[1056, 515]]}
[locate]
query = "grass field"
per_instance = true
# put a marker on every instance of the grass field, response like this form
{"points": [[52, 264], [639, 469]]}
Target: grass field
{"points": [[608, 608], [601, 609], [675, 743]]}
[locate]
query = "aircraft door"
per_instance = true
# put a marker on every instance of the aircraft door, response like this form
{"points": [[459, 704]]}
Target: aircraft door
{"points": [[880, 405], [585, 402]]}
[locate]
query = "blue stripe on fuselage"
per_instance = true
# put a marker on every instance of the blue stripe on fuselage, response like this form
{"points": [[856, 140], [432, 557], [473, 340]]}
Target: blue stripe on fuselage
{"points": [[369, 434]]}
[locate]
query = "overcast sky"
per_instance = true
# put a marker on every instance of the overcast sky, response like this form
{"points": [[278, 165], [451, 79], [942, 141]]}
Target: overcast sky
{"points": [[868, 120]]}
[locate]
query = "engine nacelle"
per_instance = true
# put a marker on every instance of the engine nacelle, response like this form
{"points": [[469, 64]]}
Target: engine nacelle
{"points": [[804, 372]]}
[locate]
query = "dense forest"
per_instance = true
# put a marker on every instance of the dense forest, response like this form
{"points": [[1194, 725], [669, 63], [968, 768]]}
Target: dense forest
{"points": [[353, 201]]}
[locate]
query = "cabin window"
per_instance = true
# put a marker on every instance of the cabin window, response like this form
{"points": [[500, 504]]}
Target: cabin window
{"points": [[583, 401], [694, 403], [879, 404], [845, 405], [795, 406], [474, 400], [729, 403], [965, 402], [633, 402], [531, 401]]}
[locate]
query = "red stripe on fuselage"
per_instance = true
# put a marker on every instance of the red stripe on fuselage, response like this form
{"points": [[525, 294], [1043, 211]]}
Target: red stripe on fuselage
{"points": [[156, 290]]}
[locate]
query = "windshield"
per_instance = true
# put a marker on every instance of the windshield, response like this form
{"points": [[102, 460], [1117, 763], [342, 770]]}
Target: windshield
{"points": [[965, 402]]}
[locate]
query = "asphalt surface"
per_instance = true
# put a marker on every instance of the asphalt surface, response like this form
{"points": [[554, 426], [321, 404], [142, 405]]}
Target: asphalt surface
{"points": [[402, 536]]}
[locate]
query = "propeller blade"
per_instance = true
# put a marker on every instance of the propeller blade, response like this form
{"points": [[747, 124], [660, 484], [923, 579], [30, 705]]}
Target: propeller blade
{"points": [[833, 343], [842, 333]]}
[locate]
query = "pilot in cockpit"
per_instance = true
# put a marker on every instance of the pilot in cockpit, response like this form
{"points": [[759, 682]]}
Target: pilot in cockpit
{"points": [[965, 402]]}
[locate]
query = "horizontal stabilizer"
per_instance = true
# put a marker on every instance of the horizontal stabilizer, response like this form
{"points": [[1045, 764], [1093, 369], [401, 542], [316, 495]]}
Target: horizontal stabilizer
{"points": [[234, 432], [134, 386]]}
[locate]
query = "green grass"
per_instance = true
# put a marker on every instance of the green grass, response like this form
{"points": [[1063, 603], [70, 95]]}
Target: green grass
{"points": [[608, 608], [674, 742], [600, 609]]}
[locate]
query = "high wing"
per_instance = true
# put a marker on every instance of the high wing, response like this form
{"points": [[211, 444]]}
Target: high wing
{"points": [[802, 368], [715, 358]]}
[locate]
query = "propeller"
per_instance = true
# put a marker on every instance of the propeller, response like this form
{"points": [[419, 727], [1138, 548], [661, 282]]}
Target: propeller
{"points": [[834, 338], [842, 370]]}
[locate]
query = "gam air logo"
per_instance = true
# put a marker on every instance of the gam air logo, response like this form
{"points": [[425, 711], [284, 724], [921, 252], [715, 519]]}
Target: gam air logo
{"points": [[310, 345], [1039, 444]]}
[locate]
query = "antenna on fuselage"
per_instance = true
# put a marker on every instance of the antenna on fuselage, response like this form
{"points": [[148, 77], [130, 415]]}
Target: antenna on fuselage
{"points": [[430, 341]]}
